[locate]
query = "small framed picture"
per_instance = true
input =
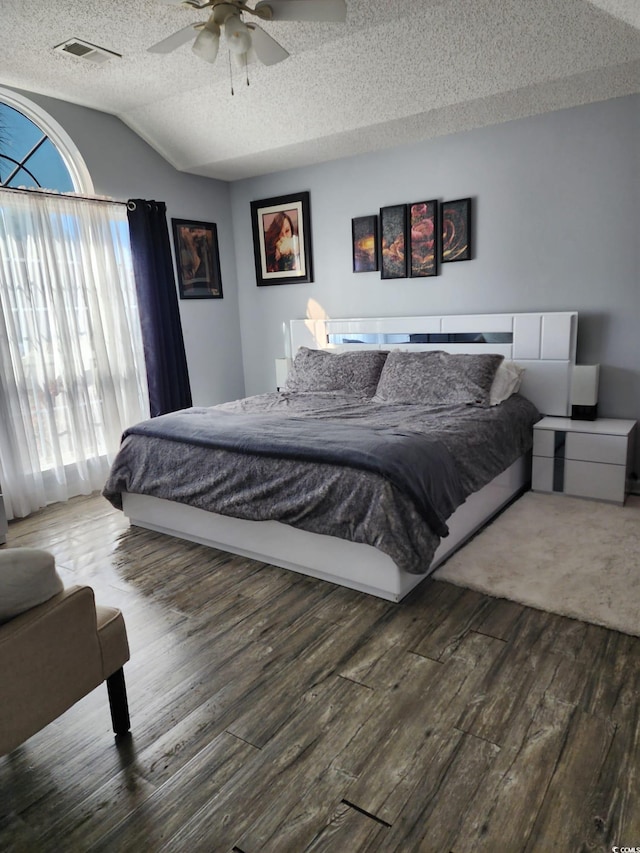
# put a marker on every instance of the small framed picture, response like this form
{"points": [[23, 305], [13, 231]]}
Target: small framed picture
{"points": [[393, 240], [456, 230], [364, 239], [282, 239], [423, 238], [197, 259]]}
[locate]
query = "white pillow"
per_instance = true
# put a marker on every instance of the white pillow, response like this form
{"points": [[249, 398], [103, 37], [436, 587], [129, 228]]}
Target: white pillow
{"points": [[28, 577], [506, 382]]}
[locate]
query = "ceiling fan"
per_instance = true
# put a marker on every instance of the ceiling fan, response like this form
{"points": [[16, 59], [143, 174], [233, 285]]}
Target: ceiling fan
{"points": [[244, 39]]}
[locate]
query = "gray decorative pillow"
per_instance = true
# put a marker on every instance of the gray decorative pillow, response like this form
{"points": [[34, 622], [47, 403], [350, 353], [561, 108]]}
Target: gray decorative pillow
{"points": [[437, 378], [319, 370], [28, 577]]}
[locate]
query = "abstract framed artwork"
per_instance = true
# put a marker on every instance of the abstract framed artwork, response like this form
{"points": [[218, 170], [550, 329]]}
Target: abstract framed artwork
{"points": [[282, 239], [364, 241], [456, 230], [197, 259], [393, 241], [424, 232]]}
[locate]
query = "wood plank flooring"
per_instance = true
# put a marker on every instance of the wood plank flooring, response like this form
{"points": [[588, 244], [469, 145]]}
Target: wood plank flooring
{"points": [[272, 713]]}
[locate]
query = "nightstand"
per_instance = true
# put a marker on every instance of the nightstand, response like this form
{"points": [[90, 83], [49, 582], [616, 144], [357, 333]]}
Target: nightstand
{"points": [[589, 459]]}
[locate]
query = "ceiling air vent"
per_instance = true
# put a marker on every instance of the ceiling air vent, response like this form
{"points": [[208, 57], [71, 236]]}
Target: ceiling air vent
{"points": [[85, 50]]}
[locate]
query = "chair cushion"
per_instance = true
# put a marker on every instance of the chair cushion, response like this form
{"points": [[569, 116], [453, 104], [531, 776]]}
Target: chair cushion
{"points": [[28, 577]]}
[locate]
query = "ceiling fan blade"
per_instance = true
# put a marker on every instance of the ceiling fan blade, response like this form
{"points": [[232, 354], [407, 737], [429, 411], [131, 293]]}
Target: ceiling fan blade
{"points": [[267, 48], [306, 10], [174, 41]]}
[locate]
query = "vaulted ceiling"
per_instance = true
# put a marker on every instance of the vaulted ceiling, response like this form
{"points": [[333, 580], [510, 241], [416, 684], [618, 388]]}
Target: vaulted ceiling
{"points": [[397, 71]]}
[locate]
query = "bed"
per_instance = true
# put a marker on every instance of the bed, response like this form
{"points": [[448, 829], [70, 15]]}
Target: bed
{"points": [[316, 477]]}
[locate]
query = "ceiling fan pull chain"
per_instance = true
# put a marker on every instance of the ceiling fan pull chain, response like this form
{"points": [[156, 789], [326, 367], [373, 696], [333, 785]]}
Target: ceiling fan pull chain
{"points": [[231, 73]]}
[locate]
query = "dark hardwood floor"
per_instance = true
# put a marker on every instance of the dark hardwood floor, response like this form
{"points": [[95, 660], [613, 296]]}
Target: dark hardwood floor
{"points": [[273, 712]]}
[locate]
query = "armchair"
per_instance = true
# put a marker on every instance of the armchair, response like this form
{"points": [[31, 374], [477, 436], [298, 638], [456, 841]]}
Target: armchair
{"points": [[54, 653]]}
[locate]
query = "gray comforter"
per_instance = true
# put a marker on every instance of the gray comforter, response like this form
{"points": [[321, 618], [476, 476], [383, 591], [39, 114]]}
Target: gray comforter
{"points": [[328, 496], [419, 465]]}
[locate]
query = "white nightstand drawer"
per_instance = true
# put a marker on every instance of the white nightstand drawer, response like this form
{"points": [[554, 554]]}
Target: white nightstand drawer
{"points": [[544, 442], [542, 474], [596, 448], [595, 480]]}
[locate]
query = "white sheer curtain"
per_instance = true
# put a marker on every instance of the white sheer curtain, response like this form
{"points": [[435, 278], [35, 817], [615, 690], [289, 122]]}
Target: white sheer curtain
{"points": [[72, 372]]}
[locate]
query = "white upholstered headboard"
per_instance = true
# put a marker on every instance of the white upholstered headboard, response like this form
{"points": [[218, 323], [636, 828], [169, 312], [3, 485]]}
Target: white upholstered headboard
{"points": [[544, 343]]}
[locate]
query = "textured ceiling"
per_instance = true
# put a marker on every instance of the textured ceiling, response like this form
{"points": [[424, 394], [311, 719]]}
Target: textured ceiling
{"points": [[395, 72]]}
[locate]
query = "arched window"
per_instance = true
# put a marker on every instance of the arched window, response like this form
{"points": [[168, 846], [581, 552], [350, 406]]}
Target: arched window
{"points": [[35, 152], [72, 372]]}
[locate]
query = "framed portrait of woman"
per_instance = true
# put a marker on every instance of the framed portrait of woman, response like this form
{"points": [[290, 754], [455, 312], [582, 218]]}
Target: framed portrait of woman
{"points": [[282, 239], [197, 259]]}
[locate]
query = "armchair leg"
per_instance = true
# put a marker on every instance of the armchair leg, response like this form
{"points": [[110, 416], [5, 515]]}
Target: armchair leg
{"points": [[118, 702]]}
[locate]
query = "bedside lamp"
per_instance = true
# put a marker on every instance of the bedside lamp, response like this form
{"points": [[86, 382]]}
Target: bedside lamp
{"points": [[584, 392]]}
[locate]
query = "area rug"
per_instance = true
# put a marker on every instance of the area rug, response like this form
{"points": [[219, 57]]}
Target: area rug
{"points": [[570, 556]]}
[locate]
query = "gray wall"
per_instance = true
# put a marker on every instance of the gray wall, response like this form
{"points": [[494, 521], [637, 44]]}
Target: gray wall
{"points": [[556, 199], [123, 166]]}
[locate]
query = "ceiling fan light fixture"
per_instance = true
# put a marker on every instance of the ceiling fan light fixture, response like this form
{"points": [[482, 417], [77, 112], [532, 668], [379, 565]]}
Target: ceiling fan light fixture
{"points": [[241, 60], [207, 42], [237, 35], [246, 42]]}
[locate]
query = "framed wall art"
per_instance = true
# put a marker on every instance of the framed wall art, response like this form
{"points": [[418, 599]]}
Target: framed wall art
{"points": [[364, 241], [197, 259], [456, 230], [393, 240], [423, 238], [282, 239]]}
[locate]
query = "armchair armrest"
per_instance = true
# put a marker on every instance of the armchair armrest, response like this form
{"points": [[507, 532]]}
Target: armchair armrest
{"points": [[50, 657]]}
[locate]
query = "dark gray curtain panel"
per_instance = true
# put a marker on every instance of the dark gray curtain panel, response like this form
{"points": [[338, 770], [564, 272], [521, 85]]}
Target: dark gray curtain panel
{"points": [[167, 374]]}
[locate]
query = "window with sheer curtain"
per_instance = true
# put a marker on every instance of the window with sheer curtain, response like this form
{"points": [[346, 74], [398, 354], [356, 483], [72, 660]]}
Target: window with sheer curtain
{"points": [[72, 371]]}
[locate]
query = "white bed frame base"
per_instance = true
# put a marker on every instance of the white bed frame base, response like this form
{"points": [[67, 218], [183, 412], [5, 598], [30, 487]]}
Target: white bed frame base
{"points": [[349, 564], [543, 343]]}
